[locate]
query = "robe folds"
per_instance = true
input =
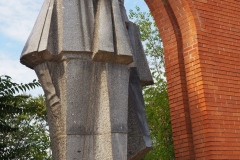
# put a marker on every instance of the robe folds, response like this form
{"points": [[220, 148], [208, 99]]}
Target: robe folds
{"points": [[96, 27], [91, 64]]}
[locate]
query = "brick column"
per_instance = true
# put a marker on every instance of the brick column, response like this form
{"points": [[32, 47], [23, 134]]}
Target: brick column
{"points": [[201, 43]]}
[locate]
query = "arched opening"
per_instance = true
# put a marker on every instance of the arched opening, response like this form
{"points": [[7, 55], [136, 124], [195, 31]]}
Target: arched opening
{"points": [[199, 38], [176, 25]]}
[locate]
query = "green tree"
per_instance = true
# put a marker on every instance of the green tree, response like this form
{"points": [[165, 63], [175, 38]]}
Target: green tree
{"points": [[23, 127], [156, 96]]}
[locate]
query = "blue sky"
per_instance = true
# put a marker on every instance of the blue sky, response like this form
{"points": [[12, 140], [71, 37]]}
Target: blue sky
{"points": [[16, 21]]}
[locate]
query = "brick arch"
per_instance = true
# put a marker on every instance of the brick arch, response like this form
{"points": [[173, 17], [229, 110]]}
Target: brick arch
{"points": [[203, 100]]}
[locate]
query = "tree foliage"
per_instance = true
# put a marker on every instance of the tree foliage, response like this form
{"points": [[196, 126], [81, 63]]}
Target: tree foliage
{"points": [[23, 127], [156, 96]]}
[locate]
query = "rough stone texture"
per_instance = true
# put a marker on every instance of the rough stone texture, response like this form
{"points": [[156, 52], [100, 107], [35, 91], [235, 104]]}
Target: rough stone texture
{"points": [[140, 60], [32, 44], [93, 108], [201, 47], [55, 111], [109, 28], [79, 30], [80, 50], [35, 50], [139, 142], [104, 29], [77, 25]]}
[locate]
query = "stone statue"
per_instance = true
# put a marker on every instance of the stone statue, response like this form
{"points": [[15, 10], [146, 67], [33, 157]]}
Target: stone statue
{"points": [[90, 61]]}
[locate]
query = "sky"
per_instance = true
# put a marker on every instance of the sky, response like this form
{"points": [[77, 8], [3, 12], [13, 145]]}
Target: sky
{"points": [[17, 18]]}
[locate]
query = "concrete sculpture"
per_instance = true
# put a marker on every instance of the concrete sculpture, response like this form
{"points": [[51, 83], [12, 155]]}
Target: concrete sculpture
{"points": [[90, 61]]}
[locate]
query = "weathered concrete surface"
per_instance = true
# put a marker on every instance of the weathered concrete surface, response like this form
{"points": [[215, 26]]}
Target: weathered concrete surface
{"points": [[139, 142], [140, 60], [110, 27], [77, 25], [87, 104], [82, 26], [81, 51]]}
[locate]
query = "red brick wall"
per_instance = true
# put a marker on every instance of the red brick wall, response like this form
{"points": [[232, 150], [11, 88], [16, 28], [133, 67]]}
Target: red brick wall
{"points": [[202, 52]]}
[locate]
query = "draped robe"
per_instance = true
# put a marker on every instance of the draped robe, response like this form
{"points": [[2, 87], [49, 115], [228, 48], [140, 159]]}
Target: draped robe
{"points": [[90, 61]]}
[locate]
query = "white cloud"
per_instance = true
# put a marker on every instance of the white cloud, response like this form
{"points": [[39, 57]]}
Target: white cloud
{"points": [[18, 72], [17, 18]]}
